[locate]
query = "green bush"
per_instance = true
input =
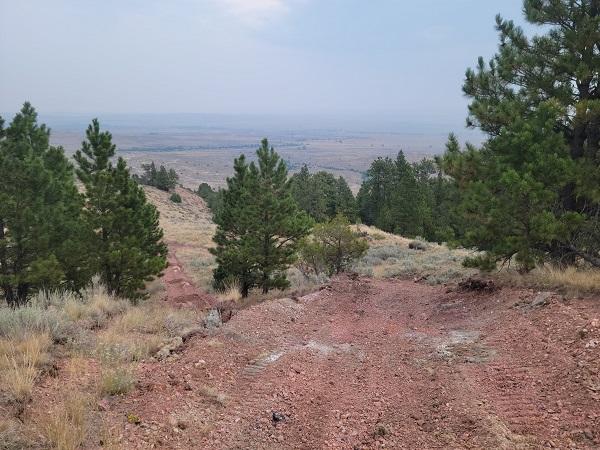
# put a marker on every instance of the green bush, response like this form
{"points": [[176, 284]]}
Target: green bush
{"points": [[117, 381], [332, 247], [34, 319], [175, 197]]}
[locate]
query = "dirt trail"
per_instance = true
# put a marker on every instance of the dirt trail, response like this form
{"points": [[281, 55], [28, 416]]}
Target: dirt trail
{"points": [[379, 364], [181, 289]]}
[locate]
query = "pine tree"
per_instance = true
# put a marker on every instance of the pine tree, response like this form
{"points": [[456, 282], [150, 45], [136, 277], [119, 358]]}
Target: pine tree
{"points": [[405, 203], [128, 243], [374, 192], [235, 218], [532, 190], [322, 196], [391, 197], [260, 224], [161, 178], [42, 234], [345, 201]]}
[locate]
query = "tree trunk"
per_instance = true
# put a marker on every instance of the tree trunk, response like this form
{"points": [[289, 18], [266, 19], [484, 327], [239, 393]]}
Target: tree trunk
{"points": [[9, 293], [22, 294], [244, 289], [593, 260]]}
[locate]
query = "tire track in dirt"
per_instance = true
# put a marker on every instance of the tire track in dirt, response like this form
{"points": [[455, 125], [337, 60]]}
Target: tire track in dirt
{"points": [[369, 364], [181, 290]]}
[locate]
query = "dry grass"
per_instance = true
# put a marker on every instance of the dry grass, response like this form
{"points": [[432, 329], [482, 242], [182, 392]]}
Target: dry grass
{"points": [[116, 381], [390, 256], [19, 364], [156, 318], [231, 291], [582, 280], [65, 428], [19, 377], [141, 320], [572, 280], [123, 348]]}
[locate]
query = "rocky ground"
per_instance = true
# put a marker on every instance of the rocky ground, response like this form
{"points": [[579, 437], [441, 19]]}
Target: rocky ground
{"points": [[367, 363]]}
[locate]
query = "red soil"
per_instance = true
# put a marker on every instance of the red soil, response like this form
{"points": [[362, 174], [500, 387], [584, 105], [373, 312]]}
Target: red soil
{"points": [[181, 289], [378, 364]]}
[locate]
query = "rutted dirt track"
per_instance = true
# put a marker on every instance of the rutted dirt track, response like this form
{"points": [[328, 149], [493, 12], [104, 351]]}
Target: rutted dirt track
{"points": [[379, 364], [180, 288]]}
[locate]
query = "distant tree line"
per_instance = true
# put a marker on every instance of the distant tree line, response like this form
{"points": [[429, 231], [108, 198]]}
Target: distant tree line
{"points": [[54, 237], [323, 196], [160, 178], [213, 199], [409, 199]]}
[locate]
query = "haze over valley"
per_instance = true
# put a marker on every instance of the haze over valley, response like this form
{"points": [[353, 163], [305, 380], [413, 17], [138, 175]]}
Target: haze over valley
{"points": [[201, 147]]}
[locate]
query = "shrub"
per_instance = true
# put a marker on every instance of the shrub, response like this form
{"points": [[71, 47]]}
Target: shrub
{"points": [[417, 245], [175, 197], [332, 247], [116, 381], [34, 319]]}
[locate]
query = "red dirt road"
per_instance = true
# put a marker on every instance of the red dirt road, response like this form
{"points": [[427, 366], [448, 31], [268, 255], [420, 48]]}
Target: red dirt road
{"points": [[180, 288], [379, 364]]}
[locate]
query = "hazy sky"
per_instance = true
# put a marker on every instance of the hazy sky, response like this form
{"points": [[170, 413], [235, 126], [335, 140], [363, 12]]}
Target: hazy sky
{"points": [[397, 58]]}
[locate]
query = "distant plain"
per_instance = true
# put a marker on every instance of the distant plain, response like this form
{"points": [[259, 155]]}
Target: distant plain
{"points": [[203, 150]]}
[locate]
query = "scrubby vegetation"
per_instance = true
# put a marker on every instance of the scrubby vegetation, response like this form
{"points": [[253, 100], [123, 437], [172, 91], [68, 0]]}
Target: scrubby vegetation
{"points": [[97, 337], [391, 256], [175, 197], [332, 247]]}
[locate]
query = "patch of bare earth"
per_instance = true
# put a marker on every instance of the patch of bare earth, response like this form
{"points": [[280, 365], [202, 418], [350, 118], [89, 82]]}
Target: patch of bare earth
{"points": [[378, 364], [181, 290]]}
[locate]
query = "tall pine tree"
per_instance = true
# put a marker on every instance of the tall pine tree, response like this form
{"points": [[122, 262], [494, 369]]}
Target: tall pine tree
{"points": [[531, 192], [42, 235], [128, 244], [259, 225]]}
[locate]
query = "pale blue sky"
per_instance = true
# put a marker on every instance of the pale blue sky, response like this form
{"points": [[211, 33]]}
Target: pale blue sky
{"points": [[374, 58]]}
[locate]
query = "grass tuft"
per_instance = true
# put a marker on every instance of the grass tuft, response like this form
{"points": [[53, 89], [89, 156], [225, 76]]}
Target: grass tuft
{"points": [[65, 428], [116, 381]]}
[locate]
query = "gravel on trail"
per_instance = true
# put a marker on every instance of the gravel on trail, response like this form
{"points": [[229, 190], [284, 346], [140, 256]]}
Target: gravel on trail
{"points": [[365, 364]]}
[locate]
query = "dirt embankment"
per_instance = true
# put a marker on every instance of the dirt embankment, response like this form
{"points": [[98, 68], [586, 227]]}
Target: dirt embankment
{"points": [[379, 364]]}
